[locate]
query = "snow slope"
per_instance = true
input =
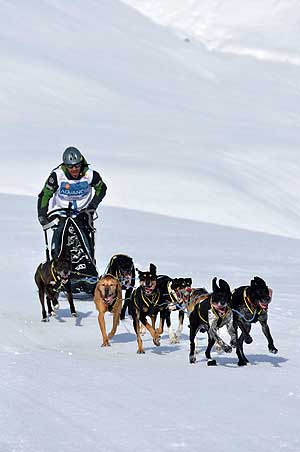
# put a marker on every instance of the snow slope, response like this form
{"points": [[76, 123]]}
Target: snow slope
{"points": [[173, 127], [266, 30], [208, 138], [61, 390]]}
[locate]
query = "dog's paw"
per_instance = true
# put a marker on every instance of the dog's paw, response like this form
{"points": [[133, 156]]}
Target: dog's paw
{"points": [[156, 341], [74, 314], [45, 319], [105, 344], [174, 340], [178, 336], [142, 330], [248, 339], [218, 347], [140, 351], [227, 348], [211, 362], [273, 350], [56, 306], [242, 363], [192, 359], [52, 314]]}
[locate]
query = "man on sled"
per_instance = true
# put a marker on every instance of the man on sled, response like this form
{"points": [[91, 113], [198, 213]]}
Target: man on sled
{"points": [[75, 191]]}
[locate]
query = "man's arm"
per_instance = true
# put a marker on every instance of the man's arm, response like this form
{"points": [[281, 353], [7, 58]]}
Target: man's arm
{"points": [[44, 197], [100, 191]]}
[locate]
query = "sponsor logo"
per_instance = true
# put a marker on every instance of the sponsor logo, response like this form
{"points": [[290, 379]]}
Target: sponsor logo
{"points": [[75, 190]]}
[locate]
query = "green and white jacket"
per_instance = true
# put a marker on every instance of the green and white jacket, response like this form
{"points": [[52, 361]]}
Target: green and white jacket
{"points": [[87, 191]]}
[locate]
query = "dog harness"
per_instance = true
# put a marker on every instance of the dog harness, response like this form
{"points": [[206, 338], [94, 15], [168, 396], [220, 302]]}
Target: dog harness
{"points": [[172, 294], [111, 305], [174, 299], [248, 305], [214, 311], [198, 305], [217, 313], [58, 282], [148, 301]]}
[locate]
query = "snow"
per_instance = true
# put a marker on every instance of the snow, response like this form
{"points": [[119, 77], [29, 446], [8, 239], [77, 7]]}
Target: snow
{"points": [[199, 149], [265, 30]]}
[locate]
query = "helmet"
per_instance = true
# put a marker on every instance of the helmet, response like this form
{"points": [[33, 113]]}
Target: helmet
{"points": [[72, 156]]}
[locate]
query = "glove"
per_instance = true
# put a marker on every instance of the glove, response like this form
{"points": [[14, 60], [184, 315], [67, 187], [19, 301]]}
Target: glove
{"points": [[91, 208], [82, 217], [43, 220]]}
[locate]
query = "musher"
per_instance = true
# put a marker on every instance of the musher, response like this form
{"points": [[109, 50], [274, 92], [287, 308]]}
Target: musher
{"points": [[71, 185]]}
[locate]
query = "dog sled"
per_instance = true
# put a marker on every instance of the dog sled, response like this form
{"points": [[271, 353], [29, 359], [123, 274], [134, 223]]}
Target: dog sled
{"points": [[75, 238]]}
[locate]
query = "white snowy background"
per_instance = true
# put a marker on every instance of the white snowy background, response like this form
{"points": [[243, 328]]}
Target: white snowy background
{"points": [[190, 111]]}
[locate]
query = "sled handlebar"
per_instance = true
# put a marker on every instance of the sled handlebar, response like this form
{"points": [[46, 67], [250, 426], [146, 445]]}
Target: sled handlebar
{"points": [[65, 213]]}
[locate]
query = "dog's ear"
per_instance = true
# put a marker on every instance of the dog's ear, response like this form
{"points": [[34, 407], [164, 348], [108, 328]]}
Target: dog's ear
{"points": [[153, 269], [139, 273], [258, 282], [189, 281], [174, 283], [224, 286], [215, 287]]}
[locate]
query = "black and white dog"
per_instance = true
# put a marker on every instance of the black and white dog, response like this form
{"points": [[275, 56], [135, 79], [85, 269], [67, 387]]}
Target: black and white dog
{"points": [[212, 312], [175, 295], [250, 304], [122, 266]]}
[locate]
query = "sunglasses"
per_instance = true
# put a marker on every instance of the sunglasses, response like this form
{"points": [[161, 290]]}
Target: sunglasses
{"points": [[76, 165]]}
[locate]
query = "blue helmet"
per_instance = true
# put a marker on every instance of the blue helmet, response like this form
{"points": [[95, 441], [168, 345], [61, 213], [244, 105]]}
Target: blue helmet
{"points": [[72, 156]]}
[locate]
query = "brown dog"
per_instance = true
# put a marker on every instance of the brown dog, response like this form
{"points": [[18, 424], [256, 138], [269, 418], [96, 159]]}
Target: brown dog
{"points": [[108, 297]]}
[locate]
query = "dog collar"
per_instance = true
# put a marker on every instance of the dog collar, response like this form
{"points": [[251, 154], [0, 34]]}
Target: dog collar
{"points": [[153, 300], [248, 304], [217, 313]]}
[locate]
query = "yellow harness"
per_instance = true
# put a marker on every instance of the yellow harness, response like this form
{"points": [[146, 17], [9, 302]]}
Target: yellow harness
{"points": [[247, 302], [198, 309], [172, 293], [147, 301], [216, 313]]}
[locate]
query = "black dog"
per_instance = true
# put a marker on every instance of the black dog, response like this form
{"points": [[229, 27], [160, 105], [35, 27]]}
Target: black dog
{"points": [[249, 305], [211, 313], [122, 266], [145, 302], [51, 278], [175, 295]]}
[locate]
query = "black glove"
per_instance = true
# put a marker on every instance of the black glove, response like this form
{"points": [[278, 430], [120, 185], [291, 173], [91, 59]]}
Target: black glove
{"points": [[82, 217], [43, 220]]}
